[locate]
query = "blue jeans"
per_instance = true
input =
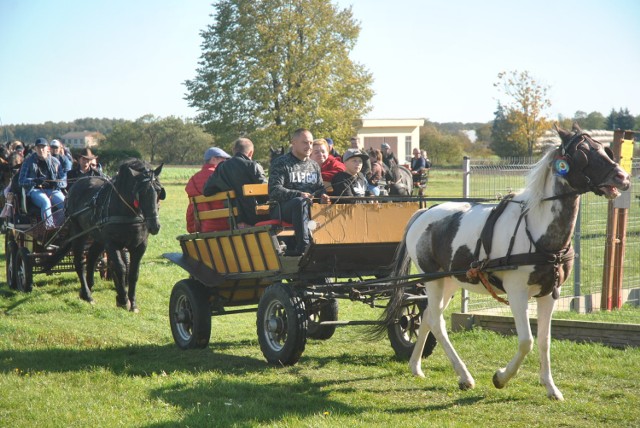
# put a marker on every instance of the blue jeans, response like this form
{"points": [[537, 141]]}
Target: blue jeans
{"points": [[373, 189], [44, 199]]}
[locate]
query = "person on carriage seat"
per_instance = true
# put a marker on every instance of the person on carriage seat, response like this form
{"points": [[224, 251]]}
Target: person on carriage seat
{"points": [[351, 182], [366, 166], [59, 152], [329, 165], [86, 165], [332, 150], [377, 177], [294, 180], [43, 179], [388, 157], [419, 167], [213, 157], [234, 173]]}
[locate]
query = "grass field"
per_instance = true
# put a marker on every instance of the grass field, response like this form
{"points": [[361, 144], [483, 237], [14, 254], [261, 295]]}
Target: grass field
{"points": [[64, 363]]}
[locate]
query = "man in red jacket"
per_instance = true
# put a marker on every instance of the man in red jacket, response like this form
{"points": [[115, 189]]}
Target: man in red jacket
{"points": [[212, 158]]}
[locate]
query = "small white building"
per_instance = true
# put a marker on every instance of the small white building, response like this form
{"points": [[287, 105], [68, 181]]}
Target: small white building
{"points": [[80, 140], [402, 135]]}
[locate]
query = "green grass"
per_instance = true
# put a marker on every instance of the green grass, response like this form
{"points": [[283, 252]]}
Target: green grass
{"points": [[64, 363]]}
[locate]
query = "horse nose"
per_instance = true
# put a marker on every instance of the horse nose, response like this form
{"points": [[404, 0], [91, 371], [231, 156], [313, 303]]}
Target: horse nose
{"points": [[623, 178]]}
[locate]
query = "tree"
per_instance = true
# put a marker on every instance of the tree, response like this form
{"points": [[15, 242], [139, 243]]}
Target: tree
{"points": [[270, 66], [502, 141], [594, 120], [524, 107], [443, 149], [621, 119]]}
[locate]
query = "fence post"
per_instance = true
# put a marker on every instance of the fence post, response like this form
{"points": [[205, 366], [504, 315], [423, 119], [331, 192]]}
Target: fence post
{"points": [[577, 264], [466, 179]]}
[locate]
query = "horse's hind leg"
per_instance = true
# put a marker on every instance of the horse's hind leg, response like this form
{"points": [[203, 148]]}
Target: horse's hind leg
{"points": [[546, 306], [518, 301], [439, 293]]}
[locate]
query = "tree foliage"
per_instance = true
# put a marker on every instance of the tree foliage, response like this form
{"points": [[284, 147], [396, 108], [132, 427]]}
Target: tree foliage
{"points": [[442, 148], [270, 66], [620, 119], [168, 140], [526, 100]]}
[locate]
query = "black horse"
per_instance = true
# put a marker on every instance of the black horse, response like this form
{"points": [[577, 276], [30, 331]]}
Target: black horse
{"points": [[115, 214]]}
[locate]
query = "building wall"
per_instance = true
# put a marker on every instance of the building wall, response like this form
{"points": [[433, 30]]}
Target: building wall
{"points": [[403, 135]]}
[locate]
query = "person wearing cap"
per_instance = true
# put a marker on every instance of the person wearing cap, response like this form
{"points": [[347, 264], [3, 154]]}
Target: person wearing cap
{"points": [[213, 157], [234, 173], [43, 179], [351, 182], [332, 150], [329, 165], [86, 166], [58, 151], [294, 180], [388, 157], [366, 166]]}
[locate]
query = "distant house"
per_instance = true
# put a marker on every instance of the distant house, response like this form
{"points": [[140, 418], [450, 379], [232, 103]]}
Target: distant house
{"points": [[402, 135], [80, 140]]}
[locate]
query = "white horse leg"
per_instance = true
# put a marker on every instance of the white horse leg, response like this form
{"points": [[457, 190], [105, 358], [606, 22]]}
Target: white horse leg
{"points": [[440, 293], [546, 306], [518, 301]]}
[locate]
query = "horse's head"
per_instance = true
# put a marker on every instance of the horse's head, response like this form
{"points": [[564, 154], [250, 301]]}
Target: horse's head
{"points": [[147, 192], [588, 166], [276, 153]]}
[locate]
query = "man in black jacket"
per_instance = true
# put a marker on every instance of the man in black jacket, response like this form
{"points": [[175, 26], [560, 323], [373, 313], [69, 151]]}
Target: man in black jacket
{"points": [[234, 173], [294, 180]]}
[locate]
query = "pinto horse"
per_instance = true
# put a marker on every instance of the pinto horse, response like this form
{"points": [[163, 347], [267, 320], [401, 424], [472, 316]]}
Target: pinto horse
{"points": [[116, 214], [533, 232]]}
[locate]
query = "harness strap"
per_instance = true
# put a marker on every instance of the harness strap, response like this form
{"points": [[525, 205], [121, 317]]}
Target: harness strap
{"points": [[475, 273]]}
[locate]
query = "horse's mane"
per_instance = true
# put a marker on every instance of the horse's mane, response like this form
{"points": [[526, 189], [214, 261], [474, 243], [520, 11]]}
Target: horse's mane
{"points": [[536, 181]]}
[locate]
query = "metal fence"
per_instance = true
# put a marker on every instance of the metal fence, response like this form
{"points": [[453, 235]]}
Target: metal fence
{"points": [[581, 292]]}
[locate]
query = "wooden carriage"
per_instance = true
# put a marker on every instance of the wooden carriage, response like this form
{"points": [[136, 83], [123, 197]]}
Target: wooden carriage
{"points": [[244, 270]]}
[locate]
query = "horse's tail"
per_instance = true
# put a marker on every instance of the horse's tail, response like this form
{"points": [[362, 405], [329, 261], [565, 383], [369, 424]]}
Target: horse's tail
{"points": [[401, 267], [50, 262]]}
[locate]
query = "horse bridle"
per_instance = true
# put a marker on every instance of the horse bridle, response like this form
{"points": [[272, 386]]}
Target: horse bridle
{"points": [[576, 153]]}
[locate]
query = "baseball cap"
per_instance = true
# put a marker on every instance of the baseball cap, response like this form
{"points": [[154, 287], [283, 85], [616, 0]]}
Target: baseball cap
{"points": [[329, 141], [42, 142], [54, 143], [215, 152], [354, 153], [385, 146]]}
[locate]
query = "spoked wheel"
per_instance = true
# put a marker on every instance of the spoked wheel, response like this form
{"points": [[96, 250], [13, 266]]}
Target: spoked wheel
{"points": [[11, 252], [190, 314], [322, 310], [281, 325], [404, 333], [23, 269]]}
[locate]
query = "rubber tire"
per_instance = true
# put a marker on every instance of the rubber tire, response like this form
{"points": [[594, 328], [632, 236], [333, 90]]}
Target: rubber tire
{"points": [[10, 252], [281, 325], [23, 268], [403, 339], [327, 312], [190, 314]]}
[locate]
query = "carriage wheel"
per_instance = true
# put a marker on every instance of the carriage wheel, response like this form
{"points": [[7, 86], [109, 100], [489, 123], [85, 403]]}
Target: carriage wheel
{"points": [[404, 333], [11, 252], [190, 314], [325, 310], [281, 325], [23, 270]]}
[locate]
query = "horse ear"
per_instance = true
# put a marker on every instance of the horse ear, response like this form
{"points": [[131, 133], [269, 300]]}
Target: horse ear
{"points": [[576, 128], [133, 172], [158, 170], [564, 135]]}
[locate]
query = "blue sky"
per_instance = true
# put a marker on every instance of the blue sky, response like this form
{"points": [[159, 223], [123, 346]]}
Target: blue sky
{"points": [[68, 59]]}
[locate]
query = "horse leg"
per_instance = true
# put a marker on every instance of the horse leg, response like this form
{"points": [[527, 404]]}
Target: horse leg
{"points": [[134, 270], [439, 293], [119, 270], [92, 258], [519, 303], [546, 306], [81, 269]]}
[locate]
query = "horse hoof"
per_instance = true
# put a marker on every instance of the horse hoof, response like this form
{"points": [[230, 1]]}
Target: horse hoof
{"points": [[466, 385], [134, 309], [88, 300], [496, 381]]}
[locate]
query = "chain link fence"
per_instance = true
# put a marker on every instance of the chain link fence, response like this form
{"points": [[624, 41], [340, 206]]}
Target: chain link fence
{"points": [[581, 292]]}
